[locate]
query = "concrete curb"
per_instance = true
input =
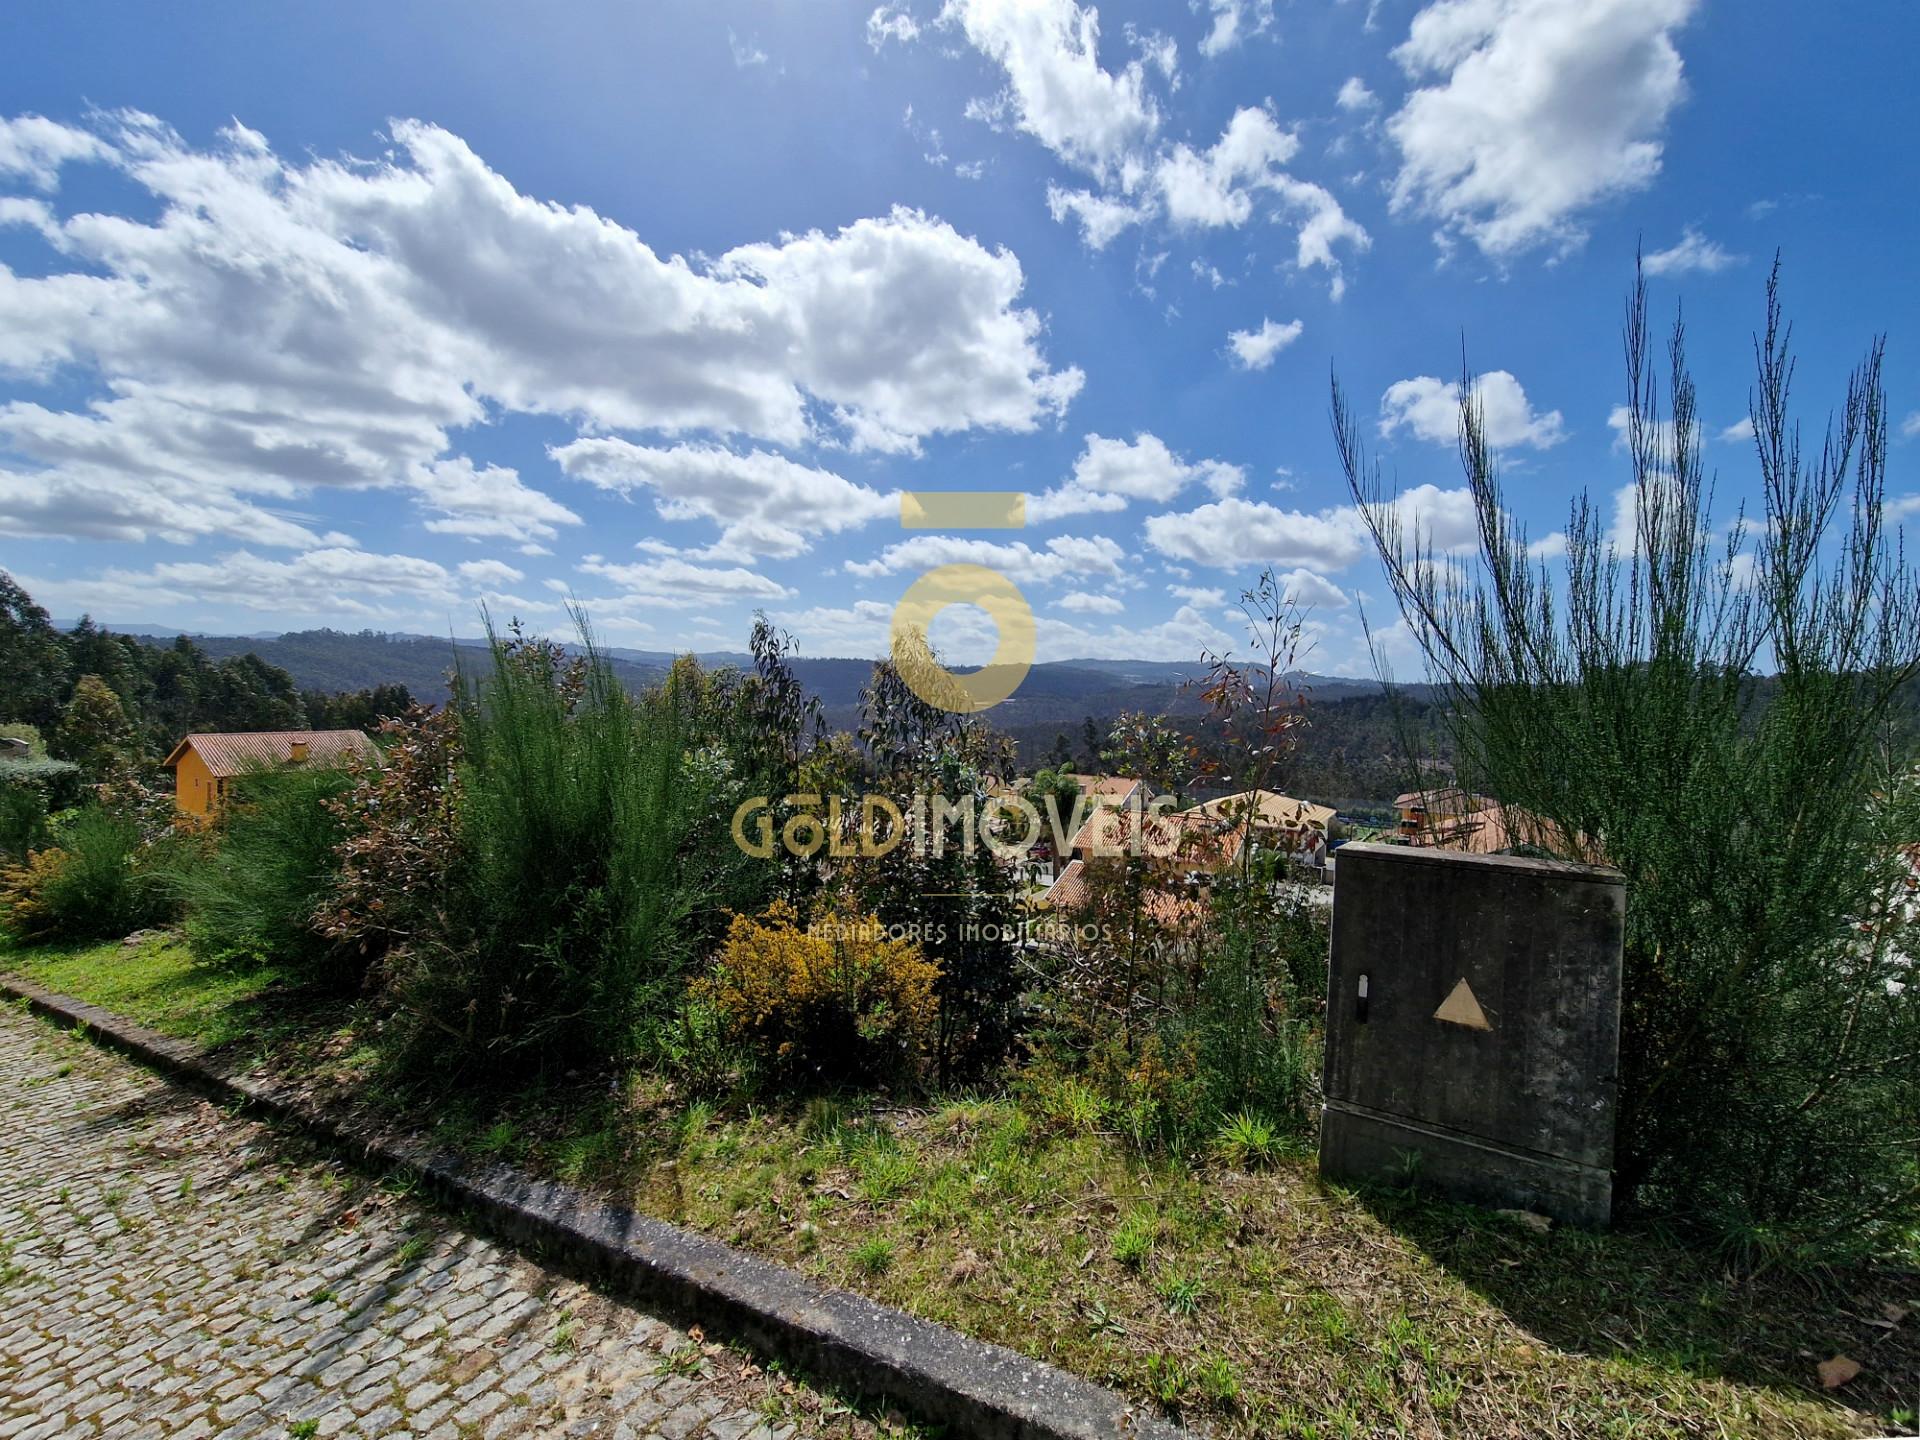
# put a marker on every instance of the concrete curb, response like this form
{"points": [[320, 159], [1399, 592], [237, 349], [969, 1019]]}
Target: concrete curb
{"points": [[939, 1375]]}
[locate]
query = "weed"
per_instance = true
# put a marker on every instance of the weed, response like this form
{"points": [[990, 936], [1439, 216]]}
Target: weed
{"points": [[1133, 1241], [874, 1255], [1179, 1292], [683, 1359], [1247, 1142]]}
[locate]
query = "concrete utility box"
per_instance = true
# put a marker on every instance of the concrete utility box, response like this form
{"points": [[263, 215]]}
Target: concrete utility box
{"points": [[1473, 1020]]}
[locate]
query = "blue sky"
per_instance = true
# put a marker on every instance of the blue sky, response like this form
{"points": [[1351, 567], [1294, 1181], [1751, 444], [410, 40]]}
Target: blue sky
{"points": [[362, 315]]}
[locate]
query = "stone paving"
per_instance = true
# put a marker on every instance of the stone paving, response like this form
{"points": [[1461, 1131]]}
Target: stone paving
{"points": [[170, 1270]]}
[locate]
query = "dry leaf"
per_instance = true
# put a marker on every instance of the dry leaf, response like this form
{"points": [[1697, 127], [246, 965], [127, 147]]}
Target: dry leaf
{"points": [[1838, 1371]]}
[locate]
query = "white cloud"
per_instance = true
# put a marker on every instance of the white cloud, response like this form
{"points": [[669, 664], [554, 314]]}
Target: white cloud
{"points": [[1110, 473], [1742, 429], [1102, 218], [1660, 432], [1065, 556], [1082, 602], [1184, 636], [677, 583], [1255, 349], [1693, 251], [489, 501], [1910, 426], [861, 629], [490, 572], [1550, 546], [1537, 110], [1107, 124], [892, 21], [765, 504], [34, 148], [1306, 588], [1354, 95], [1056, 89], [1233, 533], [1443, 519], [1202, 595], [278, 327], [331, 581], [1210, 273], [1213, 187], [746, 54], [1233, 21], [1430, 408]]}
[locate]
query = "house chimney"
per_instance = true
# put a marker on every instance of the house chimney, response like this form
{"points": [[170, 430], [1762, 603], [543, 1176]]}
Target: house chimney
{"points": [[299, 750]]}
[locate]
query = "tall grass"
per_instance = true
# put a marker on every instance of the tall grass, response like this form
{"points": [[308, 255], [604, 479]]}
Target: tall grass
{"points": [[254, 895]]}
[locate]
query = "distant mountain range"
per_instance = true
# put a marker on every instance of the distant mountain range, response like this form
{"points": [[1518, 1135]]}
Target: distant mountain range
{"points": [[1058, 692]]}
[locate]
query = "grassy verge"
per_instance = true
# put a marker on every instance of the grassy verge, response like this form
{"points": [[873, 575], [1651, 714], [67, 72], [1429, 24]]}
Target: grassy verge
{"points": [[1258, 1304]]}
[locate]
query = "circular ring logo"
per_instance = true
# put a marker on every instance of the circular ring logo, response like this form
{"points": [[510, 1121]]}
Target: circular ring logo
{"points": [[963, 585]]}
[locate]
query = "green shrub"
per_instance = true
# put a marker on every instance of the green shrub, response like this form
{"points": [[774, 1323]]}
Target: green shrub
{"points": [[588, 861], [97, 882], [272, 866], [23, 820], [835, 1002]]}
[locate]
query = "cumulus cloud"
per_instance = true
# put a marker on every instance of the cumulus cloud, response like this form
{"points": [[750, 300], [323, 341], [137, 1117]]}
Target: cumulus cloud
{"points": [[1056, 90], [1186, 634], [1354, 95], [679, 584], [1305, 587], [1064, 557], [1742, 429], [1213, 187], [1234, 21], [1102, 218], [1430, 408], [1533, 112], [1442, 519], [1106, 124], [1109, 474], [1692, 251], [276, 326], [765, 504], [1255, 349], [490, 572], [1233, 533], [1083, 602], [486, 501], [1910, 426], [331, 581], [1198, 594]]}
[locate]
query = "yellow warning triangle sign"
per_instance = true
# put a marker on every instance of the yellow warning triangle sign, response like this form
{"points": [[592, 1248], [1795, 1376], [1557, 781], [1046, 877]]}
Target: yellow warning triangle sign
{"points": [[1461, 1008]]}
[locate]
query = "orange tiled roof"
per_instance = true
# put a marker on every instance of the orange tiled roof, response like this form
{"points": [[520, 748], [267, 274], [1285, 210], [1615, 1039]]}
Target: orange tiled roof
{"points": [[1204, 841], [1275, 811], [235, 754]]}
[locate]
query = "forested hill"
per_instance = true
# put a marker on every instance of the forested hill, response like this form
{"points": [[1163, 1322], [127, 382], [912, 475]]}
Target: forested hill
{"points": [[336, 661]]}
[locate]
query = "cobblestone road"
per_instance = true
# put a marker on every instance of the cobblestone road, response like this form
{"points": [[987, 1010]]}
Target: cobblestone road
{"points": [[169, 1270]]}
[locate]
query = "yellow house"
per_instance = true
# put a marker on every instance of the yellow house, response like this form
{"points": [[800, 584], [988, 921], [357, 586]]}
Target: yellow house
{"points": [[205, 765]]}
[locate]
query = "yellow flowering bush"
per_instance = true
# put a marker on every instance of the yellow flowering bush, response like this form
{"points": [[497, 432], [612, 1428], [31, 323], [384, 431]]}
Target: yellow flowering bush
{"points": [[839, 1000]]}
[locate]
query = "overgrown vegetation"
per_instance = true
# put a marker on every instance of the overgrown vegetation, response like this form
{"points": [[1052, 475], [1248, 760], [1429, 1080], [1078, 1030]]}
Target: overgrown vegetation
{"points": [[1770, 1027], [683, 945]]}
